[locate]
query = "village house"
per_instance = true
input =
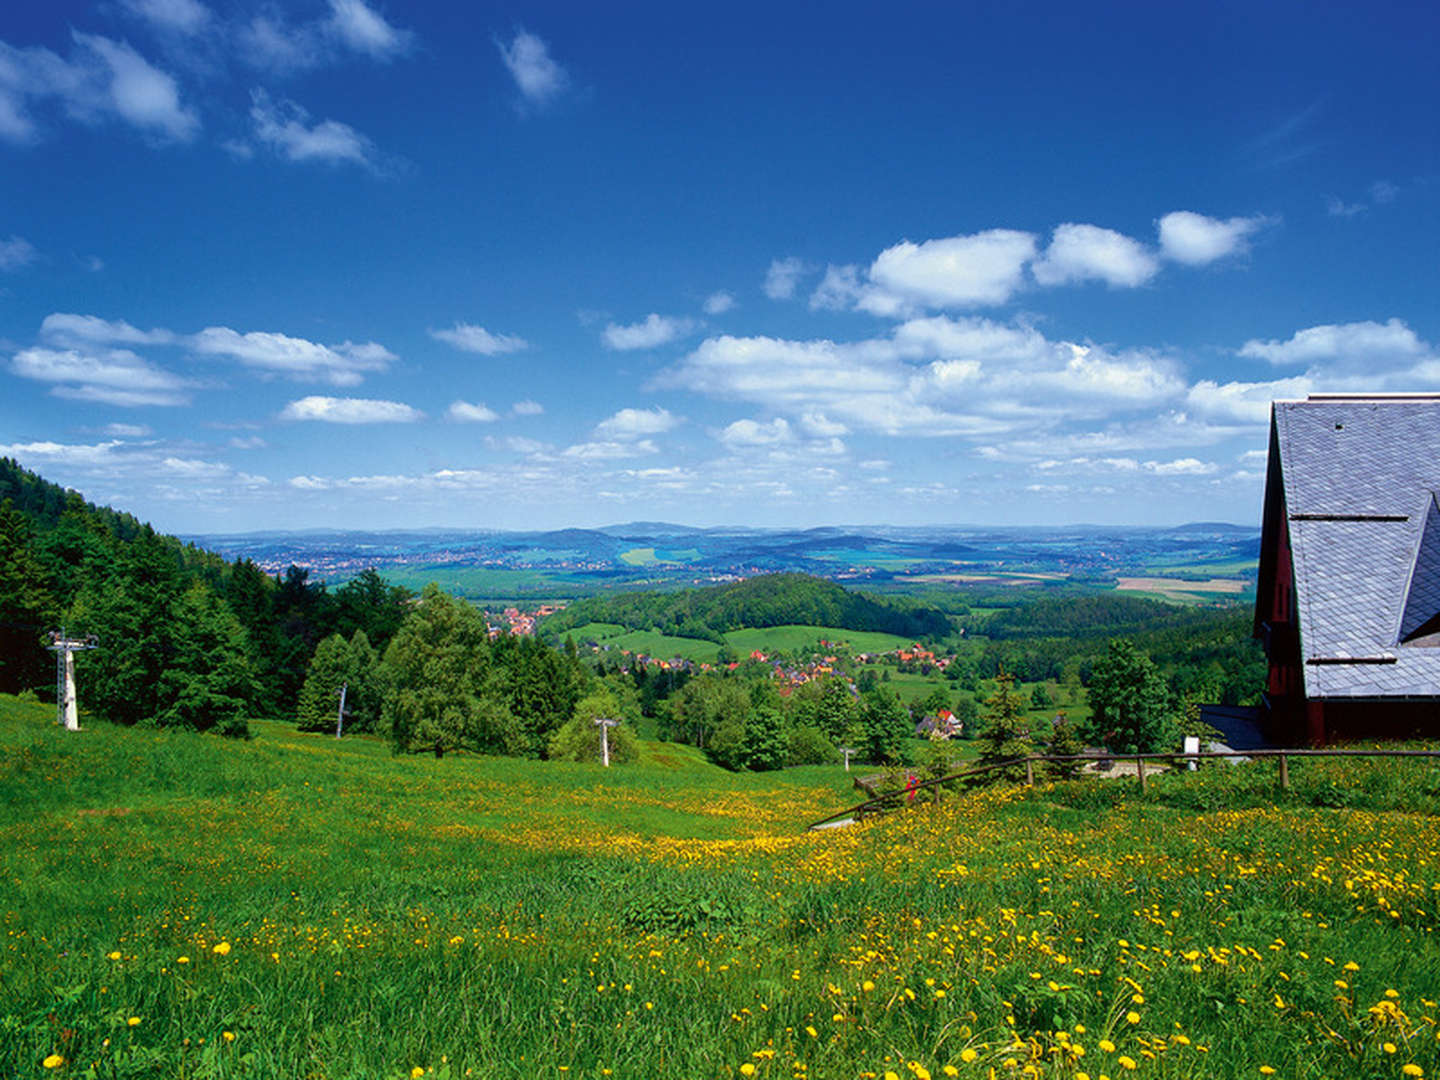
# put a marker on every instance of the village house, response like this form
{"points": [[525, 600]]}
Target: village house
{"points": [[1348, 597]]}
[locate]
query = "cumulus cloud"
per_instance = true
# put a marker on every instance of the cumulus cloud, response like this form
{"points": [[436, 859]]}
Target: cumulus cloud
{"points": [[783, 277], [537, 76], [176, 16], [16, 253], [958, 271], [527, 408], [286, 129], [655, 330], [101, 79], [1188, 466], [1359, 345], [477, 339], [929, 377], [744, 433], [350, 411], [717, 303], [270, 42], [1244, 402], [633, 423], [1080, 253], [1195, 240], [109, 376], [279, 354], [468, 412]]}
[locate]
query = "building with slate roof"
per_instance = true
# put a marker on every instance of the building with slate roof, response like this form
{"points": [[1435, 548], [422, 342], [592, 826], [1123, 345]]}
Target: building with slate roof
{"points": [[1348, 599]]}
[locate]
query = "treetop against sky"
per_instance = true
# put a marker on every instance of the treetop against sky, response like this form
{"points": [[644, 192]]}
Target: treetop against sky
{"points": [[296, 263]]}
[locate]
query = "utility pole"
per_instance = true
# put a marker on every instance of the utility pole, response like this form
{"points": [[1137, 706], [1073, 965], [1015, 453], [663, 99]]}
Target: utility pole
{"points": [[67, 709], [340, 716], [605, 724]]}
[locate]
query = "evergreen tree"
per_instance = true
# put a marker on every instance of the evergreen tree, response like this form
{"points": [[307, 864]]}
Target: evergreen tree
{"points": [[26, 607], [1063, 742], [1130, 703], [332, 666], [885, 725], [1004, 734]]}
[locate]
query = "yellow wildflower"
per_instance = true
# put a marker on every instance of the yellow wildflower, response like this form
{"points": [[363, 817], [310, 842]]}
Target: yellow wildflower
{"points": [[223, 949], [54, 1061]]}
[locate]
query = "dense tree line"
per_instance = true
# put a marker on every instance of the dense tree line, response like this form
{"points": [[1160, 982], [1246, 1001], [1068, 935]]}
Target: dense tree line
{"points": [[769, 600], [186, 639]]}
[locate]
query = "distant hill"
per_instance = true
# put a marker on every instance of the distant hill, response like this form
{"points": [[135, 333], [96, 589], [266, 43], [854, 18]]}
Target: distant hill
{"points": [[764, 601]]}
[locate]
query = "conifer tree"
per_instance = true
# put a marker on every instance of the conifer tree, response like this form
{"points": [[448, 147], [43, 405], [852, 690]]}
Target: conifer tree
{"points": [[1004, 734]]}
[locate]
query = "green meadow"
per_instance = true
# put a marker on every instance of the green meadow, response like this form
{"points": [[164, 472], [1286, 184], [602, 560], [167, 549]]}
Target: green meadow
{"points": [[742, 642], [297, 906]]}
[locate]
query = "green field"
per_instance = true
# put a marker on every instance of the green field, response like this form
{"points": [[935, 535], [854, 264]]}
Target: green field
{"points": [[177, 905], [742, 642]]}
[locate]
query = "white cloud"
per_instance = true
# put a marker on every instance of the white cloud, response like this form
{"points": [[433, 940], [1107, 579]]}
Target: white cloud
{"points": [[128, 431], [16, 253], [653, 331], [270, 43], [518, 444], [539, 78], [285, 127], [527, 408], [1089, 253], [783, 277], [1181, 467], [717, 303], [1382, 191], [1195, 240], [339, 365], [143, 95], [363, 29], [958, 271], [246, 442], [610, 450], [1351, 346], [102, 78], [1339, 208], [633, 423], [53, 453], [930, 377], [309, 483], [743, 433], [178, 16], [477, 339], [1243, 402], [115, 377], [350, 411], [838, 290], [194, 468], [467, 412], [68, 329]]}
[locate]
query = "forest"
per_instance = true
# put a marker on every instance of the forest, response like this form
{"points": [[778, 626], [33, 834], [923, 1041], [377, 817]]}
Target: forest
{"points": [[190, 641]]}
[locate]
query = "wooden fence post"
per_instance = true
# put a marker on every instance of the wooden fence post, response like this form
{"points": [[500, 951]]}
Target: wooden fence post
{"points": [[1029, 773], [1284, 773], [1140, 772]]}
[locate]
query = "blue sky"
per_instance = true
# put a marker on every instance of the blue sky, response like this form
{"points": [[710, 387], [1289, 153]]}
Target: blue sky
{"points": [[298, 263]]}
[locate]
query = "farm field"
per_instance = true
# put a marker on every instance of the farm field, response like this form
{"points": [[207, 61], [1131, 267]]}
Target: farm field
{"points": [[742, 642], [178, 905]]}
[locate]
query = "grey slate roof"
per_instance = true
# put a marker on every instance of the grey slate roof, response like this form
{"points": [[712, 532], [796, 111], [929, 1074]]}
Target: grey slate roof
{"points": [[1360, 477]]}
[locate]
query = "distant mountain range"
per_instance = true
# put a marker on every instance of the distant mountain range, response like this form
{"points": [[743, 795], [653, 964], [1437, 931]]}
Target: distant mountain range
{"points": [[660, 553]]}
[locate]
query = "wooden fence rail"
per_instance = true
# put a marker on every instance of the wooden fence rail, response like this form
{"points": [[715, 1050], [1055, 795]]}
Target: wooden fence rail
{"points": [[1140, 759]]}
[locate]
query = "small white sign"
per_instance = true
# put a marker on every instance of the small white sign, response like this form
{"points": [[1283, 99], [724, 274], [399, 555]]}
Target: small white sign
{"points": [[1192, 746]]}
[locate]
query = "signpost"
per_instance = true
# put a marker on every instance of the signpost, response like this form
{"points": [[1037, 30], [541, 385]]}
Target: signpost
{"points": [[847, 751]]}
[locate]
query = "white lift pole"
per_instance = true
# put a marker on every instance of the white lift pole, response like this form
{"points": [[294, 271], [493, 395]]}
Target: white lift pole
{"points": [[605, 724], [67, 709]]}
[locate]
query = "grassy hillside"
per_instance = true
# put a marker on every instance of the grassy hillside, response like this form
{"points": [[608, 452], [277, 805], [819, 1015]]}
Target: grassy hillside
{"points": [[297, 907], [742, 642]]}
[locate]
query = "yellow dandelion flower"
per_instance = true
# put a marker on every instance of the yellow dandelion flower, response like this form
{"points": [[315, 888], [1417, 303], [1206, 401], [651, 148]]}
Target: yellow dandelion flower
{"points": [[867, 986], [809, 1030], [1126, 1062], [134, 1021], [1389, 1048], [1412, 1070], [950, 1070], [968, 1055], [229, 1036], [182, 959], [747, 1069], [1132, 1017], [416, 1073], [223, 949], [54, 1061], [113, 956], [1266, 1070], [1107, 1046]]}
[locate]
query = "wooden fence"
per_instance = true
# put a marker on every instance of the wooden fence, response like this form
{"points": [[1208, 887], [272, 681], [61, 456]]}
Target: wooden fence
{"points": [[1029, 761]]}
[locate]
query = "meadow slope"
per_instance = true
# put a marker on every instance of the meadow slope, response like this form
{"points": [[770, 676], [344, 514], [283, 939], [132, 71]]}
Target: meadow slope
{"points": [[177, 905]]}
